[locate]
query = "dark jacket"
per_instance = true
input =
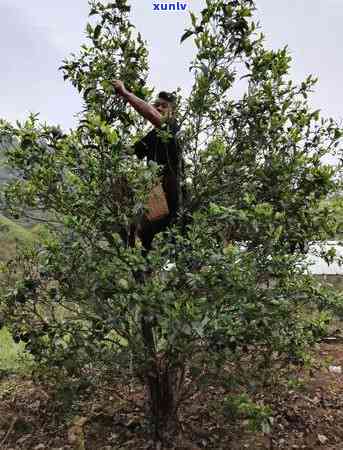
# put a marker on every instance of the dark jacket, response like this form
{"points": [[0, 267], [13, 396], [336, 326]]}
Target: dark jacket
{"points": [[160, 145]]}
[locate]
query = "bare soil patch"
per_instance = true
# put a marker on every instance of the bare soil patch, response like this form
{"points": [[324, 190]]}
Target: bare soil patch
{"points": [[307, 414]]}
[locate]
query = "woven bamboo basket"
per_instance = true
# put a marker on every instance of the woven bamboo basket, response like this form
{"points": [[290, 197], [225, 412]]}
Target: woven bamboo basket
{"points": [[157, 204]]}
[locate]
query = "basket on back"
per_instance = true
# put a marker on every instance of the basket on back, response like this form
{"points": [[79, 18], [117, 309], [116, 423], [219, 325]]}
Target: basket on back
{"points": [[157, 204]]}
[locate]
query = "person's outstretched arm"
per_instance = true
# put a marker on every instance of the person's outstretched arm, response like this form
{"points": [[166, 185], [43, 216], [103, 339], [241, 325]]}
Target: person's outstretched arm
{"points": [[142, 107]]}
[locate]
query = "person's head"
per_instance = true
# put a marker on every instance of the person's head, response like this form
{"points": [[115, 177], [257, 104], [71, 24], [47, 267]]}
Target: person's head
{"points": [[166, 103]]}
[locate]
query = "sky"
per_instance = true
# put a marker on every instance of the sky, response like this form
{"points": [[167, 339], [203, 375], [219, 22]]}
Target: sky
{"points": [[37, 34]]}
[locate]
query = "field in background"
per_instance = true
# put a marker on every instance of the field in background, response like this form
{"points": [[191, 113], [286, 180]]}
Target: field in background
{"points": [[12, 356]]}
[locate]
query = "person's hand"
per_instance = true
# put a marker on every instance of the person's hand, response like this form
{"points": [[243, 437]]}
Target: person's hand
{"points": [[119, 87]]}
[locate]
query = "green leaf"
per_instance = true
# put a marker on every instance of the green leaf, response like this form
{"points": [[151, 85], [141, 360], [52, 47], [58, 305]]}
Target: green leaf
{"points": [[89, 28], [204, 69], [193, 19], [87, 91], [97, 31], [186, 35], [227, 9]]}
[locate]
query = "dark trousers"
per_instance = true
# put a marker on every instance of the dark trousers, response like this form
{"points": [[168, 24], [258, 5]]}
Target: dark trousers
{"points": [[147, 230]]}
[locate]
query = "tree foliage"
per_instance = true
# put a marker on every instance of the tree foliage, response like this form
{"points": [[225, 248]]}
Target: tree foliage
{"points": [[255, 182]]}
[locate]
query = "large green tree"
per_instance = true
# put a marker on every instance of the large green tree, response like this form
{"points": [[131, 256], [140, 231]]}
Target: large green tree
{"points": [[255, 181]]}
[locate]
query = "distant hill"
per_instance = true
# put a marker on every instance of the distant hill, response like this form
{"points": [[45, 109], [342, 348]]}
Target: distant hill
{"points": [[10, 233], [7, 174]]}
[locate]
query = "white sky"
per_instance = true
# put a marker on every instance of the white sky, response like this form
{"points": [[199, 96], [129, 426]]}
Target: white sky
{"points": [[37, 34]]}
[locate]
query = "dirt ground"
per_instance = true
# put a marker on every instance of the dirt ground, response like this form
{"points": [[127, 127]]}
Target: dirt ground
{"points": [[308, 415]]}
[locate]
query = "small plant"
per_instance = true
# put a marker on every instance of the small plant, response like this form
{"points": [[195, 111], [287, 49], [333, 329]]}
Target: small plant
{"points": [[296, 383], [318, 324], [259, 417]]}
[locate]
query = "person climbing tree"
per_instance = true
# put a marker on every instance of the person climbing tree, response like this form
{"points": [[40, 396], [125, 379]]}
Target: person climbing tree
{"points": [[161, 146]]}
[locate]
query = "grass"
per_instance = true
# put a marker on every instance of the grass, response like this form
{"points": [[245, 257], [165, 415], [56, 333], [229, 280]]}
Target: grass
{"points": [[13, 357], [10, 234], [15, 231]]}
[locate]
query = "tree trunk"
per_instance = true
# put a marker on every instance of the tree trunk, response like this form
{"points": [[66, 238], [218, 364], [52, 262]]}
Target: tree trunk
{"points": [[164, 389], [164, 380]]}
